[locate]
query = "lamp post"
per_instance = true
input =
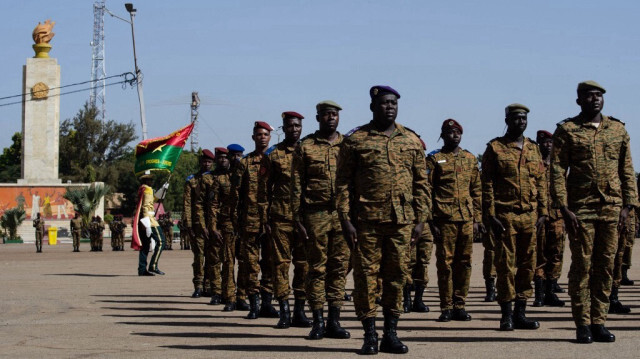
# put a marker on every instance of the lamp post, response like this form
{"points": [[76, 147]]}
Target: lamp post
{"points": [[132, 13]]}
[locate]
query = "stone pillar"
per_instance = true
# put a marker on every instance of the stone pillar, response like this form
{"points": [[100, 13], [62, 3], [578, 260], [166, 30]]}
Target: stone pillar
{"points": [[40, 121]]}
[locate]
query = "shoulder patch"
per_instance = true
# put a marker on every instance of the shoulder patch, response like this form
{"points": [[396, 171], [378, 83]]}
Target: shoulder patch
{"points": [[190, 177], [493, 140], [270, 149], [352, 131], [412, 131], [615, 119], [432, 153], [564, 121]]}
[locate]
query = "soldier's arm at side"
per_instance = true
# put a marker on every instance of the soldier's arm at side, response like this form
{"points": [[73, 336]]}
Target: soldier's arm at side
{"points": [[560, 157], [297, 184], [541, 186], [489, 159], [475, 190], [344, 184], [186, 202], [627, 175]]}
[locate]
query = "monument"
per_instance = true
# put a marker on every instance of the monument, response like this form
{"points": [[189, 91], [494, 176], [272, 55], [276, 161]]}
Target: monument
{"points": [[40, 112]]}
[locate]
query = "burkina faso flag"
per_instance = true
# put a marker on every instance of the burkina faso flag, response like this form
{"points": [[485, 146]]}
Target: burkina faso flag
{"points": [[161, 153]]}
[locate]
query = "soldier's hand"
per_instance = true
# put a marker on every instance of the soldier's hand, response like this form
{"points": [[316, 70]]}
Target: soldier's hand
{"points": [[540, 223], [497, 226], [478, 228], [622, 222], [350, 233], [417, 232], [570, 221], [302, 232]]}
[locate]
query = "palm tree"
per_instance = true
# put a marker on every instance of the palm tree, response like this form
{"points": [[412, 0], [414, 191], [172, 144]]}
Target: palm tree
{"points": [[85, 200], [11, 220]]}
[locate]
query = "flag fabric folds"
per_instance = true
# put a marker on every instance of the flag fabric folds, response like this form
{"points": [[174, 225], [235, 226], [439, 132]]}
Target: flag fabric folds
{"points": [[161, 153]]}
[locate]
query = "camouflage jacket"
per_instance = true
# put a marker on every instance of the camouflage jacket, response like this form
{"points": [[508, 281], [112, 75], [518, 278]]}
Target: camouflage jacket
{"points": [[315, 164], [382, 178], [249, 195], [76, 224], [513, 179], [192, 188], [554, 213], [220, 200], [456, 190], [591, 168], [280, 182], [38, 224]]}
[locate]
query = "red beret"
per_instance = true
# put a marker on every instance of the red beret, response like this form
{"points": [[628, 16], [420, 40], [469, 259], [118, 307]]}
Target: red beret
{"points": [[292, 114], [221, 150], [424, 145], [262, 124], [451, 123], [208, 154], [542, 134]]}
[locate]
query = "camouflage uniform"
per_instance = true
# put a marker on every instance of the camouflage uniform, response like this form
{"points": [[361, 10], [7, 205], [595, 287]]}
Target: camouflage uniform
{"points": [[38, 224], [600, 181], [550, 246], [457, 203], [212, 247], [184, 234], [221, 220], [121, 229], [286, 245], [419, 259], [623, 239], [194, 220], [114, 234], [250, 204], [99, 228], [513, 188], [76, 231], [314, 204], [489, 254], [167, 229], [381, 187], [631, 237]]}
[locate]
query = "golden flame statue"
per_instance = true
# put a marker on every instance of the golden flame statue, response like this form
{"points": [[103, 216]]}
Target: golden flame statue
{"points": [[42, 35]]}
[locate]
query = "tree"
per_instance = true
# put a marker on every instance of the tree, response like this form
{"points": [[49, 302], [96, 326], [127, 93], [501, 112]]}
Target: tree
{"points": [[92, 150], [11, 220], [85, 200], [10, 160]]}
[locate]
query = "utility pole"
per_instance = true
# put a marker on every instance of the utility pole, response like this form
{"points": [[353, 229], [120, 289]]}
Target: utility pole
{"points": [[195, 104], [132, 13], [98, 72]]}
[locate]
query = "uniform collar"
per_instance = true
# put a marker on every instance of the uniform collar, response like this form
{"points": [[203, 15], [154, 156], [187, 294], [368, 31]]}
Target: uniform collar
{"points": [[316, 136]]}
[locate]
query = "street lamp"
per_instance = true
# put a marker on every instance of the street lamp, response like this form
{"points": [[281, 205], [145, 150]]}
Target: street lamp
{"points": [[132, 13]]}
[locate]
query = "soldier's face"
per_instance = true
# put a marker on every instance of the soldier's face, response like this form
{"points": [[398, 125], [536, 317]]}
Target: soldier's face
{"points": [[516, 123], [261, 138], [385, 108], [328, 120], [545, 146], [222, 160], [451, 137], [206, 163], [590, 101], [292, 128]]}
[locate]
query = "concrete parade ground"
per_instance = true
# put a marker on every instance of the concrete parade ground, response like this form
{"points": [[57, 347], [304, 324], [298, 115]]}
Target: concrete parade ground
{"points": [[60, 304]]}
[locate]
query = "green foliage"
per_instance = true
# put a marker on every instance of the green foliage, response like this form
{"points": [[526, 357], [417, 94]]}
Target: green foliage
{"points": [[10, 160], [91, 150], [108, 218], [11, 220], [85, 200]]}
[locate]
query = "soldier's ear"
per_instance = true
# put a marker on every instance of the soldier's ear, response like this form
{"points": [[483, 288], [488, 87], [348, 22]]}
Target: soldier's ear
{"points": [[371, 106], [578, 101]]}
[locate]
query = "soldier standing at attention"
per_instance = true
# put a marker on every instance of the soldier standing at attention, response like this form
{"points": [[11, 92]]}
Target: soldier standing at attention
{"points": [[287, 247], [194, 221], [99, 227], [184, 235], [456, 195], [550, 241], [114, 233], [513, 190], [382, 197], [38, 224], [314, 212], [76, 231], [213, 245], [121, 229], [236, 152], [92, 233], [488, 262], [250, 205], [593, 184], [168, 230]]}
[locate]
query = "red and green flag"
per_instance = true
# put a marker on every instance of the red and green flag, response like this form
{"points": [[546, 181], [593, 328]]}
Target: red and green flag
{"points": [[161, 153]]}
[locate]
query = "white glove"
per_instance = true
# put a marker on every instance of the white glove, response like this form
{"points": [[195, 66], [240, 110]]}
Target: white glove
{"points": [[146, 222], [160, 193]]}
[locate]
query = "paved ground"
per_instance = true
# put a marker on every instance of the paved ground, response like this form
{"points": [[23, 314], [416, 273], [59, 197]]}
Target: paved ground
{"points": [[61, 304]]}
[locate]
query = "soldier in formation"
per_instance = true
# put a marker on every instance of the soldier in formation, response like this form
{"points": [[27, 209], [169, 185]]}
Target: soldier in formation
{"points": [[166, 223], [76, 231], [117, 227], [184, 235], [38, 224]]}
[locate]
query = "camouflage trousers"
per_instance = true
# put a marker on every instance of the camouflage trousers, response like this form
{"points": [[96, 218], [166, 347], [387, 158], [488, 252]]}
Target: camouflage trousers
{"points": [[39, 236], [228, 261], [114, 240], [287, 247], [631, 237], [590, 275], [185, 242], [419, 259], [489, 254], [206, 263], [168, 238], [381, 251], [550, 250], [515, 256], [241, 279], [327, 255], [255, 254], [623, 246], [76, 238], [454, 248]]}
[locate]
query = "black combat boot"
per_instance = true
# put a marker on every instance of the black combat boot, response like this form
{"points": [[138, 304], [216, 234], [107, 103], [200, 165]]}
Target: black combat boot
{"points": [[197, 293], [229, 306], [390, 342], [550, 298], [601, 334], [556, 287], [625, 278], [317, 330], [299, 319], [285, 315], [490, 285], [215, 300], [347, 297], [241, 304], [266, 308], [506, 322], [583, 334], [615, 306], [418, 304], [370, 345], [253, 306], [520, 320], [406, 300], [460, 314], [333, 329], [538, 300], [445, 316]]}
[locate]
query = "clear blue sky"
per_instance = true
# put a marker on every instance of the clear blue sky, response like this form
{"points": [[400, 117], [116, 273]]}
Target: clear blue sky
{"points": [[252, 60]]}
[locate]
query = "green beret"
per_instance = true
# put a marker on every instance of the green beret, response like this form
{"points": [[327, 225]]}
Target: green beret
{"points": [[327, 104], [590, 85], [515, 107]]}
